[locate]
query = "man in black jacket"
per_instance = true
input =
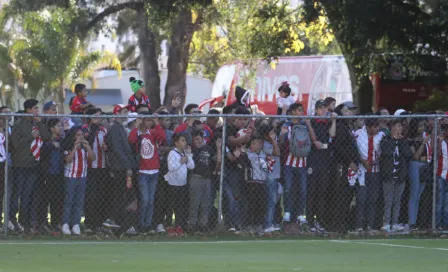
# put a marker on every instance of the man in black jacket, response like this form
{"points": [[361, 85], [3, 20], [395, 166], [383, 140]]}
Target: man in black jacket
{"points": [[395, 155], [121, 162]]}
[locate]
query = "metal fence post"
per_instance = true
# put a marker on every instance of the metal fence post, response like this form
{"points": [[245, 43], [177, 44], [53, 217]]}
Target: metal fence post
{"points": [[6, 192], [221, 176], [435, 162]]}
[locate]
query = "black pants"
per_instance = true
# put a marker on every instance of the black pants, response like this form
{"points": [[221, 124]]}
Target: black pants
{"points": [[163, 213], [255, 204], [96, 197], [40, 200], [317, 189], [116, 193], [179, 204]]}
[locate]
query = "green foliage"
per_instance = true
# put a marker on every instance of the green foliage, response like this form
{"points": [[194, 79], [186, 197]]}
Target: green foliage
{"points": [[437, 101]]}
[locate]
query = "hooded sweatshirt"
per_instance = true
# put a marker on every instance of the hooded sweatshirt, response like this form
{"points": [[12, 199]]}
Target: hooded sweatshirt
{"points": [[240, 95]]}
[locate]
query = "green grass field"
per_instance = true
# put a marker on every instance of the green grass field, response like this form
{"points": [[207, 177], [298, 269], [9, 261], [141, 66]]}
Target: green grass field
{"points": [[275, 255]]}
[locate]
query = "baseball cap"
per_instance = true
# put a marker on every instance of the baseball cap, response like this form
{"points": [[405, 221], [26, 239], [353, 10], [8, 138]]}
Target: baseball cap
{"points": [[119, 107], [320, 103], [49, 105], [349, 105], [132, 117], [401, 112]]}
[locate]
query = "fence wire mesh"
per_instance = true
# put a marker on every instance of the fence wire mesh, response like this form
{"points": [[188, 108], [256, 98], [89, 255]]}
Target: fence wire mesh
{"points": [[242, 174]]}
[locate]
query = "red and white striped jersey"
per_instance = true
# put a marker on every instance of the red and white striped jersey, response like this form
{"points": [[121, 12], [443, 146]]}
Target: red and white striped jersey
{"points": [[291, 160], [78, 167], [36, 145], [98, 150], [442, 169]]}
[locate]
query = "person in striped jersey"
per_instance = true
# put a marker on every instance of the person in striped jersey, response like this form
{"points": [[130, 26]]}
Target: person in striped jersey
{"points": [[98, 181], [442, 174], [78, 154], [295, 173]]}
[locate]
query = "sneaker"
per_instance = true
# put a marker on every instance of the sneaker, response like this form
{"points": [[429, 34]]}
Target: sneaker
{"points": [[269, 230], [277, 227], [259, 230], [66, 229], [360, 230], [287, 217], [385, 228], [318, 227], [19, 227], [180, 231], [11, 226], [76, 230], [232, 229], [131, 231], [151, 231], [111, 224], [413, 227], [398, 228], [160, 228], [171, 232], [301, 219]]}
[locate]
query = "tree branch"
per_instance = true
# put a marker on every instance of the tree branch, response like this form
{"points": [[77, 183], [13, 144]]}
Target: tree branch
{"points": [[114, 9]]}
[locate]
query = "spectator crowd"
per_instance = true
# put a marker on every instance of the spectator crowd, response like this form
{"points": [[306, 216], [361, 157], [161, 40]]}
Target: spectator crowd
{"points": [[291, 173]]}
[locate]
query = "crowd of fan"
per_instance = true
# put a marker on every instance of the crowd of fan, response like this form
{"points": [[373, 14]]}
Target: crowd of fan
{"points": [[280, 174]]}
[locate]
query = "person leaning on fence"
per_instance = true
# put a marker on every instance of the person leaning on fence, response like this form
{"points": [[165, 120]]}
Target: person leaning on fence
{"points": [[98, 178], [180, 159], [78, 154], [207, 159], [369, 185], [296, 138], [147, 140], [442, 181], [25, 165], [121, 162], [394, 160]]}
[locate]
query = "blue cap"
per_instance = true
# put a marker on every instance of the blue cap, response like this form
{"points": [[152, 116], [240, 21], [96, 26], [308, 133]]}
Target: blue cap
{"points": [[49, 105]]}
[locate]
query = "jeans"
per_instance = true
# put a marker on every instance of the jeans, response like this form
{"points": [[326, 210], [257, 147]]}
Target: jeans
{"points": [[200, 188], [392, 190], [367, 201], [416, 189], [23, 186], [295, 186], [147, 185], [271, 186], [442, 203], [74, 200], [233, 205]]}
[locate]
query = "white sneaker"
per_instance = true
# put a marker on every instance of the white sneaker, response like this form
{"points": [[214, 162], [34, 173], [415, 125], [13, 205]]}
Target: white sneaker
{"points": [[76, 230], [232, 229], [19, 227], [360, 230], [277, 227], [385, 228], [66, 229], [398, 228], [287, 217], [301, 219], [160, 228], [10, 226], [269, 230]]}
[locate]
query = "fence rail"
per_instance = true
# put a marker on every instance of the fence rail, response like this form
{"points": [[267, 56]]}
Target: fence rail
{"points": [[246, 174]]}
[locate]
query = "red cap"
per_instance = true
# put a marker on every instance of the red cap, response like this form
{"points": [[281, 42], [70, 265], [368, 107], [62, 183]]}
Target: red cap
{"points": [[119, 107]]}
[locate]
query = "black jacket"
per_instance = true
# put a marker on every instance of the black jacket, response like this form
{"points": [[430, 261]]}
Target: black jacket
{"points": [[119, 151], [345, 149], [387, 147]]}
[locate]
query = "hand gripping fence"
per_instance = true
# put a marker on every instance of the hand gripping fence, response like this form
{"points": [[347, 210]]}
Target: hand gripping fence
{"points": [[178, 175]]}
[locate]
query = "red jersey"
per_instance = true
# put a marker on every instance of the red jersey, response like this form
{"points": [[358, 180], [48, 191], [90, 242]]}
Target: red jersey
{"points": [[76, 104], [98, 150], [134, 101], [78, 167], [147, 144], [208, 133]]}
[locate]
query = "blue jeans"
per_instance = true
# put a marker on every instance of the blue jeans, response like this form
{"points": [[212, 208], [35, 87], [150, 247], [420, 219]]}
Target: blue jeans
{"points": [[271, 186], [295, 186], [416, 189], [24, 181], [367, 200], [74, 201], [442, 203], [233, 205], [147, 185]]}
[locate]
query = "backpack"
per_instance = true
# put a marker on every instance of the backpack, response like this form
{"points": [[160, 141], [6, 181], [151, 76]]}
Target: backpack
{"points": [[300, 141]]}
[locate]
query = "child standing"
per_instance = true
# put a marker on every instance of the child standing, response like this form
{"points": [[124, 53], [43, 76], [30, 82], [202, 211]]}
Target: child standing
{"points": [[139, 97], [77, 154], [79, 103], [179, 160], [442, 174], [147, 142], [206, 161], [284, 100]]}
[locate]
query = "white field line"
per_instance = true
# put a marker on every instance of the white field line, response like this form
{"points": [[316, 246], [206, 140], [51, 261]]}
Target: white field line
{"points": [[367, 242], [387, 245]]}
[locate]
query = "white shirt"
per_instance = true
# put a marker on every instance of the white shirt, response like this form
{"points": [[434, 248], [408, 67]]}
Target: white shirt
{"points": [[177, 172], [287, 101]]}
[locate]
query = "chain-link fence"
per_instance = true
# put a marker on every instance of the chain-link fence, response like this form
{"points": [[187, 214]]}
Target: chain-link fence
{"points": [[243, 174]]}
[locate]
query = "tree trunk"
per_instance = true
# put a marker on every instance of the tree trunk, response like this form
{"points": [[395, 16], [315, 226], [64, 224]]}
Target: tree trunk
{"points": [[148, 43], [179, 55], [60, 96]]}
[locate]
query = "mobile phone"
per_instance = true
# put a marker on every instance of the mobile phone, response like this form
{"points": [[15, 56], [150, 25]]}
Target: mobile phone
{"points": [[177, 94]]}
